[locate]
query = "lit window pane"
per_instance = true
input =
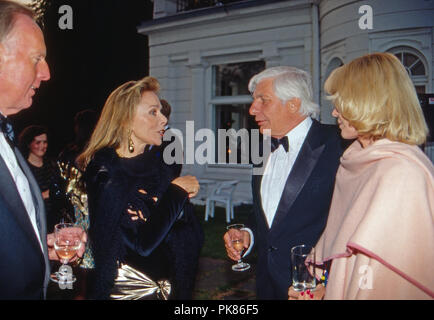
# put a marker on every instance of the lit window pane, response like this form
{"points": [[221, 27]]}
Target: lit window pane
{"points": [[232, 79], [233, 116]]}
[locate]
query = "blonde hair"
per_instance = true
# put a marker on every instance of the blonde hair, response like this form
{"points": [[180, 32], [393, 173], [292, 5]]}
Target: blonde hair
{"points": [[116, 116], [8, 14], [376, 95]]}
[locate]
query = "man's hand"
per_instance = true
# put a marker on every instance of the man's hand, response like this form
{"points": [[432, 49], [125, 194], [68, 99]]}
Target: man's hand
{"points": [[52, 252], [227, 238]]}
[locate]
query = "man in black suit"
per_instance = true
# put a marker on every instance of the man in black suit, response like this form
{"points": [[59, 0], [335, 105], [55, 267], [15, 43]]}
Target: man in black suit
{"points": [[25, 248], [291, 199]]}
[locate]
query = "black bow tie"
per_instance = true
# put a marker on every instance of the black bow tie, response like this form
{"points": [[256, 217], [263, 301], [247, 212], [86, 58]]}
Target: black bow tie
{"points": [[275, 143], [8, 130]]}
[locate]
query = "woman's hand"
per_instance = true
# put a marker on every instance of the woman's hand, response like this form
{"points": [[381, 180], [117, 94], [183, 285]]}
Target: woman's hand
{"points": [[189, 184], [316, 294], [138, 214]]}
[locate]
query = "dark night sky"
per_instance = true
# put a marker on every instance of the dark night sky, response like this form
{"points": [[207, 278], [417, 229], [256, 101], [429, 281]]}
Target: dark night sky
{"points": [[102, 51]]}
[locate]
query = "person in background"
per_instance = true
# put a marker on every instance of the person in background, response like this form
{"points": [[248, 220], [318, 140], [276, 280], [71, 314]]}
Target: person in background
{"points": [[187, 231], [33, 142], [172, 170], [291, 200], [73, 194], [166, 110], [379, 239], [84, 123], [73, 187], [130, 215]]}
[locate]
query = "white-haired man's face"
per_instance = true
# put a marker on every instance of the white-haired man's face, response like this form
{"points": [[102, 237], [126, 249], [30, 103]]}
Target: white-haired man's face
{"points": [[270, 113], [22, 65]]}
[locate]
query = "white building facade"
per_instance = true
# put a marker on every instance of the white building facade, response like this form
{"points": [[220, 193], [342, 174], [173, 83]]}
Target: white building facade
{"points": [[204, 57]]}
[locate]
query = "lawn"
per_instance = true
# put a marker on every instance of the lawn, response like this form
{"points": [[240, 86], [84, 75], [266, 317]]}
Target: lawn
{"points": [[215, 279], [215, 228]]}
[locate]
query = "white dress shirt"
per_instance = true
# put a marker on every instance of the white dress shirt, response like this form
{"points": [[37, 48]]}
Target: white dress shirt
{"points": [[277, 170], [279, 167], [20, 180]]}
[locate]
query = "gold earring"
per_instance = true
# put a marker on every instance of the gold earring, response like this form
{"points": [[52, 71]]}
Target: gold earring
{"points": [[130, 142]]}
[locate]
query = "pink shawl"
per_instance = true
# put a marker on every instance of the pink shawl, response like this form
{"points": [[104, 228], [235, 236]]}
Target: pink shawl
{"points": [[381, 217]]}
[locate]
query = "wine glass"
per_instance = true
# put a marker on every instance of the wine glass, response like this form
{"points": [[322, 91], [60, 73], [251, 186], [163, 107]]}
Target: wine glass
{"points": [[238, 244], [66, 244]]}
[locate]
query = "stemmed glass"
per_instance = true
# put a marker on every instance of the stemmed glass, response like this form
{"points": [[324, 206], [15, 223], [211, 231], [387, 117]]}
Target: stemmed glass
{"points": [[67, 242], [238, 244]]}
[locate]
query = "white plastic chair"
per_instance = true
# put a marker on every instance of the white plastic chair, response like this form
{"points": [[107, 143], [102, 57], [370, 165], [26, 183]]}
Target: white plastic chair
{"points": [[222, 193], [206, 186]]}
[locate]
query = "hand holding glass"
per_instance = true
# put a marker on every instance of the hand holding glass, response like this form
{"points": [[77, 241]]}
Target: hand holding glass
{"points": [[303, 268], [238, 244], [67, 243]]}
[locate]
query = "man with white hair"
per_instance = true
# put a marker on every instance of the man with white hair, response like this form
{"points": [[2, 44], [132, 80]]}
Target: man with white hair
{"points": [[291, 199]]}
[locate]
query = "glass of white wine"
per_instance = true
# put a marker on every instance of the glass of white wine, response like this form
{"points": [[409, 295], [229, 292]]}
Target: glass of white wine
{"points": [[67, 242], [238, 244]]}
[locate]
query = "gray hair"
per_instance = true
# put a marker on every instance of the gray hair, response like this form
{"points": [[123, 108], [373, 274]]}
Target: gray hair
{"points": [[8, 12], [288, 83]]}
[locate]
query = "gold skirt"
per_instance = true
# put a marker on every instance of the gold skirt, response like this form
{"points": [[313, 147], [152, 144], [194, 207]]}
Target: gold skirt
{"points": [[132, 284]]}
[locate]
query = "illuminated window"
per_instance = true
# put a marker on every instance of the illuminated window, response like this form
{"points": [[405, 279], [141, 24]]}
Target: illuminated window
{"points": [[231, 101]]}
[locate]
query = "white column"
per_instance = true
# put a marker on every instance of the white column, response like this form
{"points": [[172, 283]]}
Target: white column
{"points": [[197, 67]]}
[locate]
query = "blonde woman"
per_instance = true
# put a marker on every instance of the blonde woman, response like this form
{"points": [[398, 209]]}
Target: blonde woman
{"points": [[379, 238], [129, 219]]}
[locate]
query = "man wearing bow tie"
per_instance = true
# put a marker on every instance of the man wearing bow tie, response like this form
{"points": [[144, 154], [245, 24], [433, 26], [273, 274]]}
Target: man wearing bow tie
{"points": [[291, 199], [25, 248]]}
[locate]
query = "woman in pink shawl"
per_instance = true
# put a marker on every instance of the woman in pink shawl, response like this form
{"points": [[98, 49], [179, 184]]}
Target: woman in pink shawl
{"points": [[379, 238]]}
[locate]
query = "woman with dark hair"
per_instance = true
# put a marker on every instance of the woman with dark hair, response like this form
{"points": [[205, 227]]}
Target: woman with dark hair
{"points": [[187, 231], [132, 209], [73, 187], [84, 123], [73, 190], [33, 142]]}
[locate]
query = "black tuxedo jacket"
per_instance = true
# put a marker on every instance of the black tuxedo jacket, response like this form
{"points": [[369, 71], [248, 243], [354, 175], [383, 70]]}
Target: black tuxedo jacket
{"points": [[302, 212], [24, 267]]}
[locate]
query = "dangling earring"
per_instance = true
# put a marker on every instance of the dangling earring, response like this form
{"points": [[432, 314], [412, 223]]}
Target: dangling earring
{"points": [[130, 142]]}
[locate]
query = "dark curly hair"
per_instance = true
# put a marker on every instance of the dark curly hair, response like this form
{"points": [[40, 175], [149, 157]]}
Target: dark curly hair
{"points": [[27, 135]]}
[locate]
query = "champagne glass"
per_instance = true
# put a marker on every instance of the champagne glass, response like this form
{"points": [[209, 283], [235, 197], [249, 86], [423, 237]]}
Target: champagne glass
{"points": [[238, 244], [66, 244]]}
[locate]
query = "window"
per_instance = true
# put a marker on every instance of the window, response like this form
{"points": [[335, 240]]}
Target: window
{"points": [[230, 102], [232, 79], [414, 63]]}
